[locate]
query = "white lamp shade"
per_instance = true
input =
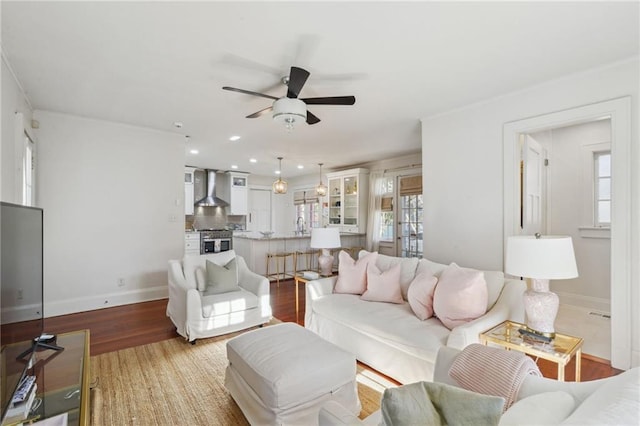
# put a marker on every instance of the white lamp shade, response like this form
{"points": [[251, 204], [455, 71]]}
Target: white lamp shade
{"points": [[325, 238], [547, 257]]}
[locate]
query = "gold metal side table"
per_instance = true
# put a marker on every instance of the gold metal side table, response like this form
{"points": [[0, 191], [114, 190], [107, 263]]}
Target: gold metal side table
{"points": [[560, 350]]}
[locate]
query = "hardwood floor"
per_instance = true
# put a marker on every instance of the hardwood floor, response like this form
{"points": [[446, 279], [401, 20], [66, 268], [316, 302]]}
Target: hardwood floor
{"points": [[127, 326]]}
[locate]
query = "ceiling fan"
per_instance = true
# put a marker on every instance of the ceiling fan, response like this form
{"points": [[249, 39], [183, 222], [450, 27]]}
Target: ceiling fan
{"points": [[291, 109]]}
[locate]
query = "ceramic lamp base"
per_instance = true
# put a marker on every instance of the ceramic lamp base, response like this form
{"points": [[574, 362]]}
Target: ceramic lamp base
{"points": [[325, 263], [541, 306]]}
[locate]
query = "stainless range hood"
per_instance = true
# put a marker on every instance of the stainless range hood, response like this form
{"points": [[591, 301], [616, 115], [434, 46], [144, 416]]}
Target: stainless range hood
{"points": [[210, 199]]}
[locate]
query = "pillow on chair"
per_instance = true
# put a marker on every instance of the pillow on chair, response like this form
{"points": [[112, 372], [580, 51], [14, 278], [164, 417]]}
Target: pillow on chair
{"points": [[222, 278]]}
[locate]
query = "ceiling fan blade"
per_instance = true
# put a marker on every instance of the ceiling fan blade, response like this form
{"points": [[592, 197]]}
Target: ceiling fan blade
{"points": [[259, 113], [297, 78], [248, 92], [312, 119], [332, 100]]}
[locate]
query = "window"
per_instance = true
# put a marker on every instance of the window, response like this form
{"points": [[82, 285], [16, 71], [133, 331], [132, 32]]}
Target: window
{"points": [[602, 188], [386, 213], [411, 216], [308, 212]]}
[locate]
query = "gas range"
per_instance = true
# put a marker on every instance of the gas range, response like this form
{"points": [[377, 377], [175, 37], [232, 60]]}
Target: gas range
{"points": [[215, 233]]}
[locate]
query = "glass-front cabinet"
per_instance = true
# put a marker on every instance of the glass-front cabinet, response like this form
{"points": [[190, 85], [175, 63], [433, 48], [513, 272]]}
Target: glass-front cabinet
{"points": [[347, 199]]}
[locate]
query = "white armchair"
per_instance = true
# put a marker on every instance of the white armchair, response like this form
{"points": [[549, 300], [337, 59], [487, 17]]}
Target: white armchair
{"points": [[198, 314]]}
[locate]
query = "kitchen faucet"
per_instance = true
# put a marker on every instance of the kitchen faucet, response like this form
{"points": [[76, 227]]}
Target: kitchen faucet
{"points": [[300, 225]]}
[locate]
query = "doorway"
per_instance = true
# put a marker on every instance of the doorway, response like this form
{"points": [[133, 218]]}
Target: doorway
{"points": [[566, 190], [620, 272]]}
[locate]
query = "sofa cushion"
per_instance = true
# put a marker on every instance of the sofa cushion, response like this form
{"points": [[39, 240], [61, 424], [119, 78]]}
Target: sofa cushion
{"points": [[227, 303], [194, 267], [352, 274], [222, 278], [550, 408], [393, 324], [613, 403], [408, 266], [420, 294], [383, 286], [460, 296]]}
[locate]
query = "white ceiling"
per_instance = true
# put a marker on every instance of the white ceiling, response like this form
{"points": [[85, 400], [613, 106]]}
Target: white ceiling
{"points": [[154, 63]]}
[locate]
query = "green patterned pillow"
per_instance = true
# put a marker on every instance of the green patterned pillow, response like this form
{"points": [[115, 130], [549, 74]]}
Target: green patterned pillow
{"points": [[426, 403]]}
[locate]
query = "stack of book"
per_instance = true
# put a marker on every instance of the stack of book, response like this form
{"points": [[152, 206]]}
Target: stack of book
{"points": [[22, 400]]}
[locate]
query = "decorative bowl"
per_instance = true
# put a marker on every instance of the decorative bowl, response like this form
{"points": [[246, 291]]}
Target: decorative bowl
{"points": [[266, 234]]}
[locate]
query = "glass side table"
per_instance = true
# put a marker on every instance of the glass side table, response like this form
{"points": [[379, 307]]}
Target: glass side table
{"points": [[560, 350]]}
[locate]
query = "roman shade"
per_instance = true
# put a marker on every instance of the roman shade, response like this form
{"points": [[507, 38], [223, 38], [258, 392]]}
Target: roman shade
{"points": [[411, 185], [305, 197]]}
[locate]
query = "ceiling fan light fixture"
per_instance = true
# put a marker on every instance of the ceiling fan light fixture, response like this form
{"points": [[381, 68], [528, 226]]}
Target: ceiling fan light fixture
{"points": [[280, 186], [321, 189], [289, 111]]}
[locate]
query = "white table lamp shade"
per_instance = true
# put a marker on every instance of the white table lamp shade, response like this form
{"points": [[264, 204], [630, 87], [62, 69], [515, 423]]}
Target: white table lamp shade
{"points": [[325, 238], [547, 257]]}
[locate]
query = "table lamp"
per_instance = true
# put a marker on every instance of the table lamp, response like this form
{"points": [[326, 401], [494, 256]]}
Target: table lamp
{"points": [[541, 258], [325, 238]]}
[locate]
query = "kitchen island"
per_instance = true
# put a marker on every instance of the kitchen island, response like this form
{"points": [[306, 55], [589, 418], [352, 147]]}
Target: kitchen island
{"points": [[253, 247]]}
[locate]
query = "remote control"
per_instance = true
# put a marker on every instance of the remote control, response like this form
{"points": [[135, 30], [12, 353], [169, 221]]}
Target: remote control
{"points": [[534, 336]]}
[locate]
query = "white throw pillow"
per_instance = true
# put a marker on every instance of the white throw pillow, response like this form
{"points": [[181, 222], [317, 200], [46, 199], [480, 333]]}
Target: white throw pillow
{"points": [[547, 408], [460, 296], [383, 286]]}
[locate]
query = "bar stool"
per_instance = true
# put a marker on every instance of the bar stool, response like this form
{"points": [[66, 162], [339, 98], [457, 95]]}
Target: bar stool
{"points": [[311, 259], [283, 255]]}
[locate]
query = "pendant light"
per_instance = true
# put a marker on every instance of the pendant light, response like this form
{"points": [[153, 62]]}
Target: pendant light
{"points": [[280, 186], [321, 189]]}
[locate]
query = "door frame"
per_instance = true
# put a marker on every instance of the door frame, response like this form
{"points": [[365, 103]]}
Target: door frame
{"points": [[621, 261]]}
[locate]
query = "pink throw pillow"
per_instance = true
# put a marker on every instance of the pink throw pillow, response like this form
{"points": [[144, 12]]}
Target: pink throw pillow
{"points": [[352, 275], [420, 294], [383, 286], [461, 296]]}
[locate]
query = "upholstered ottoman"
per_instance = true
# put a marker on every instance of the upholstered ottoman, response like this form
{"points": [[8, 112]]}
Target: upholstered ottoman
{"points": [[282, 374]]}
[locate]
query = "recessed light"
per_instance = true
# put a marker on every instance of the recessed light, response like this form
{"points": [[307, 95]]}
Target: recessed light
{"points": [[300, 166], [234, 138], [234, 166], [253, 160], [277, 172], [194, 151]]}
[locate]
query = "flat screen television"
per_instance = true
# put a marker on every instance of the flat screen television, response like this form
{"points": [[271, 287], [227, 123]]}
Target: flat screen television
{"points": [[21, 293]]}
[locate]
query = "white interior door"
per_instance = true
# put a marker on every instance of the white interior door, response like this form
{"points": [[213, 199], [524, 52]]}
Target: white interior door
{"points": [[533, 180], [259, 218]]}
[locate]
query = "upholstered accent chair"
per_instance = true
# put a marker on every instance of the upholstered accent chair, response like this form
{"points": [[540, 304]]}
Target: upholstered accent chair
{"points": [[215, 294]]}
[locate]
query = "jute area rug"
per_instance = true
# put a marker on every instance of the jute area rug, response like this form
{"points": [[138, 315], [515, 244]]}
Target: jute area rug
{"points": [[173, 382]]}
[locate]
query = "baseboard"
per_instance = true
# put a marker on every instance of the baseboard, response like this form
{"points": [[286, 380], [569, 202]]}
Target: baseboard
{"points": [[586, 302], [82, 304]]}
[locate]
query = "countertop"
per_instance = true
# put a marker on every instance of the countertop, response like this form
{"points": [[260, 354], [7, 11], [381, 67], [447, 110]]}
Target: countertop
{"points": [[249, 235]]}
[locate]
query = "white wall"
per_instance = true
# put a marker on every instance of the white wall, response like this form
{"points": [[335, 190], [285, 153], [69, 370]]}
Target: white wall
{"points": [[13, 101], [462, 153], [112, 196]]}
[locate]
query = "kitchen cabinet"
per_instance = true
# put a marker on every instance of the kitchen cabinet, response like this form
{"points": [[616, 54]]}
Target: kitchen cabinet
{"points": [[188, 190], [348, 196], [235, 191], [192, 243]]}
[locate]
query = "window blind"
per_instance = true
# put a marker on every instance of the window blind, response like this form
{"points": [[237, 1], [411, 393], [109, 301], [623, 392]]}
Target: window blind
{"points": [[411, 185]]}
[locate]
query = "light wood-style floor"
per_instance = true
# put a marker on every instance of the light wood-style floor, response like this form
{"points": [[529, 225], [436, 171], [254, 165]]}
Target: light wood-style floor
{"points": [[127, 326]]}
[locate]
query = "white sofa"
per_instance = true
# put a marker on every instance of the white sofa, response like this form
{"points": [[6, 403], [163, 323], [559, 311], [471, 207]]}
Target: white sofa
{"points": [[540, 401], [198, 314], [389, 337]]}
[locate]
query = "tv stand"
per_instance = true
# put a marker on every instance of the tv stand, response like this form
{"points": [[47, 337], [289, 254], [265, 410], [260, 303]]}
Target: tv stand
{"points": [[63, 379]]}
